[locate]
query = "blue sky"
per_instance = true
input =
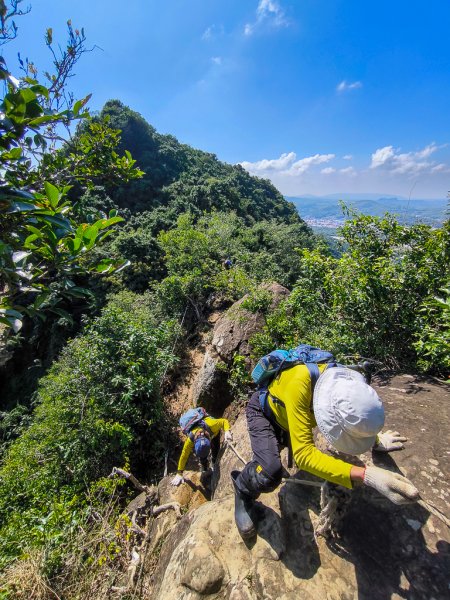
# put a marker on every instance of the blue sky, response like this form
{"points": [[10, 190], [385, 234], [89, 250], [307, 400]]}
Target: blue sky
{"points": [[320, 96]]}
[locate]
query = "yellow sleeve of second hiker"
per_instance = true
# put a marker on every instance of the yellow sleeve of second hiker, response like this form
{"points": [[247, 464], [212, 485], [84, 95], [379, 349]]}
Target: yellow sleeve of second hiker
{"points": [[217, 424], [185, 453]]}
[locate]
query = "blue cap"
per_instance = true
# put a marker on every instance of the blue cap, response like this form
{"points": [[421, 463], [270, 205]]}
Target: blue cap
{"points": [[202, 446]]}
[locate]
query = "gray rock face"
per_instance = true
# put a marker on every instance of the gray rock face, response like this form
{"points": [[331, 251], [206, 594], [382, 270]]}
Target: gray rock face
{"points": [[384, 551], [211, 388], [234, 329], [230, 336]]}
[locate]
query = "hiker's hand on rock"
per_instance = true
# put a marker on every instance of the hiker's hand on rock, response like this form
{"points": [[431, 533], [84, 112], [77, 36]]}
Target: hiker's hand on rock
{"points": [[389, 441], [228, 436], [177, 479], [397, 488]]}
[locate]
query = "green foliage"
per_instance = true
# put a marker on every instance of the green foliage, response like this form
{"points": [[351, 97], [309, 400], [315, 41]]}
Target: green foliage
{"points": [[433, 334], [239, 378], [90, 158], [195, 250], [99, 403], [42, 245], [258, 301], [374, 300], [42, 249]]}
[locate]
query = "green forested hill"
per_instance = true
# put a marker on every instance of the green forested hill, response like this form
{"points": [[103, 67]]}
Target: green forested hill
{"points": [[180, 178]]}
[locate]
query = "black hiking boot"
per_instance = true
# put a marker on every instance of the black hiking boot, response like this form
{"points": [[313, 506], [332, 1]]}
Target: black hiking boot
{"points": [[243, 505]]}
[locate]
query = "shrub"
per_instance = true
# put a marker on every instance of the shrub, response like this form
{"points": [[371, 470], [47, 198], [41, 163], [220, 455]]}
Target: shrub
{"points": [[99, 403], [376, 300]]}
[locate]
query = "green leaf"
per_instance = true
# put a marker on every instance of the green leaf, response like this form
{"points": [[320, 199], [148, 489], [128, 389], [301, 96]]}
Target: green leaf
{"points": [[73, 244], [21, 206], [104, 265], [62, 313], [80, 103], [37, 232], [28, 243], [39, 301], [13, 154], [60, 222], [11, 312], [52, 193], [40, 90], [27, 95], [103, 223], [79, 292]]}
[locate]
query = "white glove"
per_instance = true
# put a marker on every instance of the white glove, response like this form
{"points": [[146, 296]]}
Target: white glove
{"points": [[228, 436], [397, 488], [177, 480], [389, 441]]}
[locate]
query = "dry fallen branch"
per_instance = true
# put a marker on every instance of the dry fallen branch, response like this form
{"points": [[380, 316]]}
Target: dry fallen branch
{"points": [[174, 505], [140, 550], [130, 477], [135, 559]]}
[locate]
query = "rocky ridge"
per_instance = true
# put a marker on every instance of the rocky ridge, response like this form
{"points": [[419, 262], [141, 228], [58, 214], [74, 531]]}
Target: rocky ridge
{"points": [[382, 551]]}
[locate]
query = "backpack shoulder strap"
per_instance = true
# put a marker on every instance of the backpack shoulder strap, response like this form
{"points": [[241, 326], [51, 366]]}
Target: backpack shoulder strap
{"points": [[314, 373]]}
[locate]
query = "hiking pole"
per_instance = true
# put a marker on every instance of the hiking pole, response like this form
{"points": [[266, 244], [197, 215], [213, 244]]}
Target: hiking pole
{"points": [[434, 511], [230, 445], [426, 505], [285, 479]]}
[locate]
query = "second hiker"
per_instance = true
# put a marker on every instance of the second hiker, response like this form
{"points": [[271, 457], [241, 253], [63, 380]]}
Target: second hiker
{"points": [[203, 437]]}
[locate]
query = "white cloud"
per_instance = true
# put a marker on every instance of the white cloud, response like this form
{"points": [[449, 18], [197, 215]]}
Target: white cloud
{"points": [[277, 164], [441, 168], [208, 33], [302, 165], [344, 86], [406, 163], [348, 171], [286, 164], [211, 32], [217, 60], [382, 156], [248, 29], [268, 12], [387, 171]]}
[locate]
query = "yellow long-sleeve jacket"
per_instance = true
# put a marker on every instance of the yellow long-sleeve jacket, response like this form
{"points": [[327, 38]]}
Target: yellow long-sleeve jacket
{"points": [[215, 426], [293, 388]]}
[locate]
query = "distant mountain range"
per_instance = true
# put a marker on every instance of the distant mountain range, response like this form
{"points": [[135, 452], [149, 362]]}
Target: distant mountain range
{"points": [[326, 210]]}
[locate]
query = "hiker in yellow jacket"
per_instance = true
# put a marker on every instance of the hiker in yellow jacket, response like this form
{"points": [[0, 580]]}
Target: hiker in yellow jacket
{"points": [[349, 414], [202, 441]]}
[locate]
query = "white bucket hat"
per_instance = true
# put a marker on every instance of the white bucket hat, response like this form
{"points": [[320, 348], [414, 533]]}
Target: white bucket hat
{"points": [[348, 412]]}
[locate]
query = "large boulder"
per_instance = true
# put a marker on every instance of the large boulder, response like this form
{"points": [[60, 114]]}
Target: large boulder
{"points": [[231, 336], [234, 329], [191, 494], [384, 551], [211, 388]]}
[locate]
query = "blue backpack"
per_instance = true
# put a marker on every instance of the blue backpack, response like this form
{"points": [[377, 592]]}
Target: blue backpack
{"points": [[194, 416], [270, 365]]}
